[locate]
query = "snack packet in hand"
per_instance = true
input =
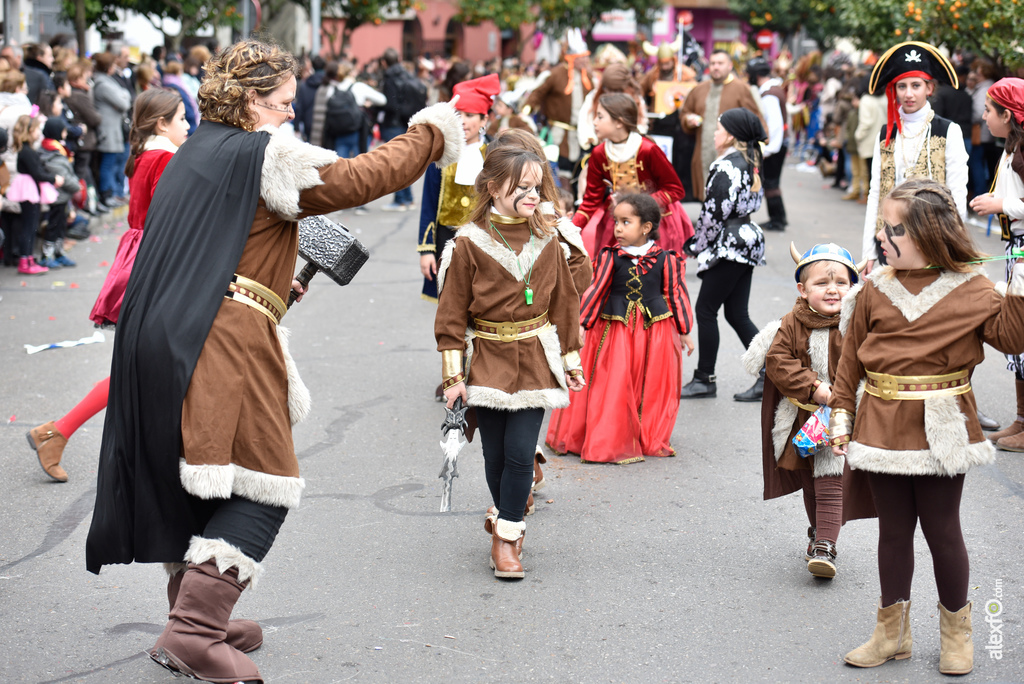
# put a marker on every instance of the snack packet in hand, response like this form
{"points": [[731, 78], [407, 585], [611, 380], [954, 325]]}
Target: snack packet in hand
{"points": [[814, 434]]}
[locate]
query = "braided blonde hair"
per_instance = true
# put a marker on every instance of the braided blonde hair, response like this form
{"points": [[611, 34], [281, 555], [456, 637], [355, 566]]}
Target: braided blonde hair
{"points": [[930, 217], [247, 67]]}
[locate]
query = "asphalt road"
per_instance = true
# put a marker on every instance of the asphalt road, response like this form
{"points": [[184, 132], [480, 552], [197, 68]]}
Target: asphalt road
{"points": [[670, 570]]}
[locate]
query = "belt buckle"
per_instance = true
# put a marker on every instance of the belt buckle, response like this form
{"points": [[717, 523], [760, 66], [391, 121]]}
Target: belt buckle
{"points": [[507, 332], [888, 386]]}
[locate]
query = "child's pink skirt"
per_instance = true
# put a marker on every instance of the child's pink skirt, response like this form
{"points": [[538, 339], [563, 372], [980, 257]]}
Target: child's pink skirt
{"points": [[23, 188]]}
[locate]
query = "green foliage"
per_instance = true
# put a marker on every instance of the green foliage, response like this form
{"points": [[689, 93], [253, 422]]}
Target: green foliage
{"points": [[991, 28], [192, 14], [552, 16], [821, 19]]}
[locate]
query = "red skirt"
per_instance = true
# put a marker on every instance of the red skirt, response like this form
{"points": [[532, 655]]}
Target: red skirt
{"points": [[108, 303], [674, 229], [628, 408]]}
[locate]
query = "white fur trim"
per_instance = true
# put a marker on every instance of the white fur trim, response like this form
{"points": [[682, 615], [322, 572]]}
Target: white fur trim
{"points": [[565, 249], [1001, 288], [508, 530], [173, 569], [159, 142], [570, 232], [785, 418], [446, 259], [289, 167], [299, 401], [518, 265], [949, 453], [221, 481], [848, 306], [549, 398], [753, 359], [206, 481], [264, 488], [914, 306], [444, 117], [826, 463], [226, 555]]}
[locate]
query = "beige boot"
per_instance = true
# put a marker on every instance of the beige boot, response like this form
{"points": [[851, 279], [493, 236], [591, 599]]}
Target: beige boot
{"points": [[1017, 426], [891, 638], [956, 655], [49, 444]]}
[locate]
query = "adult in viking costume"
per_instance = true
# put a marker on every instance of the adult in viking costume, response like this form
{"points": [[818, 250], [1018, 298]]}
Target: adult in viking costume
{"points": [[197, 466]]}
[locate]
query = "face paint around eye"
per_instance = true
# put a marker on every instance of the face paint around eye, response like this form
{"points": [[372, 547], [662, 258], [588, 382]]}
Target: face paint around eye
{"points": [[895, 231], [523, 195]]}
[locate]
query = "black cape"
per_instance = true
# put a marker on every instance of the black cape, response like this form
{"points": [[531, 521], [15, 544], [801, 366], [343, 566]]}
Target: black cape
{"points": [[197, 226]]}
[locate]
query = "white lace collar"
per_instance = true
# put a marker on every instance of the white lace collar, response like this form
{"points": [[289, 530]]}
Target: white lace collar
{"points": [[625, 150]]}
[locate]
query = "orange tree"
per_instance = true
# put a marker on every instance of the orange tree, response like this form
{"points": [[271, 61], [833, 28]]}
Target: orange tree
{"points": [[988, 28], [821, 20]]}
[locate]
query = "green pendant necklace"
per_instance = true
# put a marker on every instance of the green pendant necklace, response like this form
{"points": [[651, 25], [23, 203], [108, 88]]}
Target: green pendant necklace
{"points": [[528, 292]]}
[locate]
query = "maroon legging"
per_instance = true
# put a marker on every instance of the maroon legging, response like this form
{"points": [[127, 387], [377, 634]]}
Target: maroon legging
{"points": [[823, 499], [900, 501]]}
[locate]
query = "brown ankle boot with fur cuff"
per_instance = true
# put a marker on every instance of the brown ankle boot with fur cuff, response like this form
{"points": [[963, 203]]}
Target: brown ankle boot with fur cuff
{"points": [[505, 549], [538, 474]]}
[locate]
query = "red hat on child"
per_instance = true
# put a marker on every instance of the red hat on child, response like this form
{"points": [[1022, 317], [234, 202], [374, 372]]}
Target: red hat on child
{"points": [[477, 95], [1009, 93]]}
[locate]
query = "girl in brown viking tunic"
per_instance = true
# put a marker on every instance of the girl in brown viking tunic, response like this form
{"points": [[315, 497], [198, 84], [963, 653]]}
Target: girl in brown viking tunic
{"points": [[507, 327], [197, 462], [913, 333]]}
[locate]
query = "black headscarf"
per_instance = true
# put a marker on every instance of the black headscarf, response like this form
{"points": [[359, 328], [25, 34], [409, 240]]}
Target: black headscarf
{"points": [[744, 125]]}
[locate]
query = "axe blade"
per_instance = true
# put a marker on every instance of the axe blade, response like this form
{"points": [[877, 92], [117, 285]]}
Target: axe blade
{"points": [[331, 248]]}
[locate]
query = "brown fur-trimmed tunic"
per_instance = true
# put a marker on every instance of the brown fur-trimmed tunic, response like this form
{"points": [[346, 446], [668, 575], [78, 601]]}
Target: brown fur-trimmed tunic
{"points": [[480, 278]]}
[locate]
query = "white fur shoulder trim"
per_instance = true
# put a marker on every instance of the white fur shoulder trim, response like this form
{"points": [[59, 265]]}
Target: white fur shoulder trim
{"points": [[518, 265], [571, 234], [914, 306], [444, 117], [753, 359], [226, 555], [289, 167], [848, 306]]}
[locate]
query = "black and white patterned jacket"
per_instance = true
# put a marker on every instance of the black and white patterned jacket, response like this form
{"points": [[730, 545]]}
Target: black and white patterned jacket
{"points": [[721, 232]]}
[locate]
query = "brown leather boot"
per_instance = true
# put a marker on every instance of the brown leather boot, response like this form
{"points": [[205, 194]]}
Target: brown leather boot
{"points": [[49, 445], [956, 651], [490, 517], [505, 544], [530, 507], [1017, 426], [891, 638], [245, 635], [538, 474], [193, 642]]}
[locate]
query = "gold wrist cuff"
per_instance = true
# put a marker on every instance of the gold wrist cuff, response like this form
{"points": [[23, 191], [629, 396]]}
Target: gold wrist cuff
{"points": [[840, 424], [451, 363], [572, 361]]}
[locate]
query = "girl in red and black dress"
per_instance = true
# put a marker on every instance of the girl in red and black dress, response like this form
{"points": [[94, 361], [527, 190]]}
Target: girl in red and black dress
{"points": [[625, 161], [638, 315], [158, 129]]}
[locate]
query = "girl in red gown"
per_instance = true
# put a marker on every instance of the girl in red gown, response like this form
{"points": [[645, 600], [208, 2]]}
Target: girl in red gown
{"points": [[625, 161], [638, 317], [158, 129]]}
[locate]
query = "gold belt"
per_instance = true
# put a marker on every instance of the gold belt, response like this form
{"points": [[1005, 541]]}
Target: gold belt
{"points": [[806, 407], [563, 125], [263, 299], [917, 387], [511, 331]]}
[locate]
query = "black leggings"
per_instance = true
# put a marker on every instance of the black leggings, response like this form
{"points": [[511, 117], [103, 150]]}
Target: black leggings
{"points": [[900, 501], [509, 441], [728, 283], [247, 525], [28, 227]]}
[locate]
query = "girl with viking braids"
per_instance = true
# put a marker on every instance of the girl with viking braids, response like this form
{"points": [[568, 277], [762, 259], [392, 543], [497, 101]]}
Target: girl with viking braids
{"points": [[913, 332], [209, 454]]}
